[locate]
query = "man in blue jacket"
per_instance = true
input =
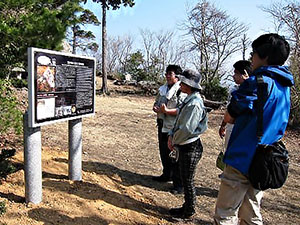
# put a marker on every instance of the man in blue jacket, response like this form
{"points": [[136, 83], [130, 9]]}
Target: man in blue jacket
{"points": [[238, 201]]}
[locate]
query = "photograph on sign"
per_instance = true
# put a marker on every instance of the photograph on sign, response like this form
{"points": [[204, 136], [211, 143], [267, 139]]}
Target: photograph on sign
{"points": [[45, 79], [61, 86]]}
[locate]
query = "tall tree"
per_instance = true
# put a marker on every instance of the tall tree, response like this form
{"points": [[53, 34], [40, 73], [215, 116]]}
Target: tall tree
{"points": [[159, 50], [80, 38], [245, 44], [215, 37], [31, 23], [286, 17], [106, 5], [119, 51], [287, 20]]}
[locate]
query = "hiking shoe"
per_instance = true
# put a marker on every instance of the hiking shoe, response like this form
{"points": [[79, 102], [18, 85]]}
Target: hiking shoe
{"points": [[161, 178], [185, 215], [177, 190], [188, 215], [176, 211]]}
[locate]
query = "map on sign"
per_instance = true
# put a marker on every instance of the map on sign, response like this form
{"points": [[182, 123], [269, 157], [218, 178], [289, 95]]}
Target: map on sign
{"points": [[61, 86]]}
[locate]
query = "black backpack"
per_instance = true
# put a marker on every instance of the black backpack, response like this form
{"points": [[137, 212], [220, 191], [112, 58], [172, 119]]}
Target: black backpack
{"points": [[269, 167]]}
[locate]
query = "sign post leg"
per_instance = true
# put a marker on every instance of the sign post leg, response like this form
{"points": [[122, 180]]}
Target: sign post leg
{"points": [[32, 162], [75, 149]]}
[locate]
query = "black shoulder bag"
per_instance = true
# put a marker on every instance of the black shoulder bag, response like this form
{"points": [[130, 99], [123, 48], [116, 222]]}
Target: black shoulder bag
{"points": [[269, 167]]}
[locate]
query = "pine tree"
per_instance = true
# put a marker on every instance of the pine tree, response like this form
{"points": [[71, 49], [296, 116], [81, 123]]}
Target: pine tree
{"points": [[106, 5], [30, 23], [80, 38]]}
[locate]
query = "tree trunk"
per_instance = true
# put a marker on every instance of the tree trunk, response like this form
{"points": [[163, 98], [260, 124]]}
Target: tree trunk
{"points": [[104, 51], [74, 40], [213, 104]]}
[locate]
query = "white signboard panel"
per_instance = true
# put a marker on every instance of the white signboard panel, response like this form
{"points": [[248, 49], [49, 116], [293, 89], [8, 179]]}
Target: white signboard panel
{"points": [[61, 86]]}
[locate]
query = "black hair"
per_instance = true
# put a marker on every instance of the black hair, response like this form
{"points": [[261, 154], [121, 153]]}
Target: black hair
{"points": [[175, 68], [195, 90], [243, 65], [273, 46]]}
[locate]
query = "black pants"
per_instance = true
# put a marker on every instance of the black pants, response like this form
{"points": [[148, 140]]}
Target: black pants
{"points": [[170, 169], [189, 156]]}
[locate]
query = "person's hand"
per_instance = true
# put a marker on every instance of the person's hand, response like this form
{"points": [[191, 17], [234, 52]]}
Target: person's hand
{"points": [[155, 109], [170, 146], [163, 108], [222, 129], [228, 118], [222, 132]]}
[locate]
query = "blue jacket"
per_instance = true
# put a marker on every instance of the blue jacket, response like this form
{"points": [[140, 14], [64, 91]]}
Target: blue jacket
{"points": [[243, 140]]}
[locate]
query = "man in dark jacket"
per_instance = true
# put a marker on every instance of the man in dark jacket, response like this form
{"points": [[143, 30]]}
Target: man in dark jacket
{"points": [[237, 199]]}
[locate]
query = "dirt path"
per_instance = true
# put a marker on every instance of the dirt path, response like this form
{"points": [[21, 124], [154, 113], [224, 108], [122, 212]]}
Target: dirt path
{"points": [[120, 154]]}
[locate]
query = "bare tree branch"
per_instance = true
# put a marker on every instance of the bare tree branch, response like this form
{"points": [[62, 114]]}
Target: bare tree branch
{"points": [[216, 37]]}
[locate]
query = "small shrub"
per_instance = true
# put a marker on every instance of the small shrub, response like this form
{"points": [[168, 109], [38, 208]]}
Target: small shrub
{"points": [[2, 207], [19, 83], [10, 115], [6, 166], [214, 91], [118, 76], [294, 119]]}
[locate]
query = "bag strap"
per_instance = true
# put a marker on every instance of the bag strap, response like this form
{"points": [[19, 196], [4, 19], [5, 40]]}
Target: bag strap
{"points": [[261, 88]]}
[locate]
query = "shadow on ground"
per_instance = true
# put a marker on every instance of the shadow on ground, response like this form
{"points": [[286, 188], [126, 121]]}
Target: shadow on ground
{"points": [[50, 217], [92, 191], [209, 192], [12, 197], [128, 178], [120, 198]]}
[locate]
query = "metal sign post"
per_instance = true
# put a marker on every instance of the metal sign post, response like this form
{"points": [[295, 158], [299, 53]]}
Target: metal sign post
{"points": [[61, 87], [75, 149], [32, 162]]}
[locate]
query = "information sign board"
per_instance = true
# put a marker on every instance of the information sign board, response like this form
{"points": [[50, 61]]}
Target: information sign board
{"points": [[61, 86]]}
